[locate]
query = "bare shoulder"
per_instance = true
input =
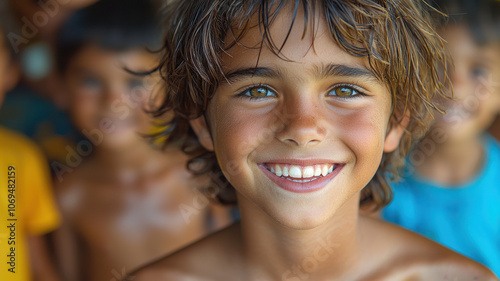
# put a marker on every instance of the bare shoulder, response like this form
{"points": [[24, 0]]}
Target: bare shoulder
{"points": [[409, 256], [204, 260]]}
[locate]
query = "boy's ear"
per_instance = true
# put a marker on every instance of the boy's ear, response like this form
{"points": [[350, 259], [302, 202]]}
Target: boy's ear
{"points": [[201, 129], [395, 133]]}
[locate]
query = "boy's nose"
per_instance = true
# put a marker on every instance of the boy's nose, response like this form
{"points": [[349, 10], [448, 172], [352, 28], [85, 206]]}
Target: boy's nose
{"points": [[303, 124], [112, 95]]}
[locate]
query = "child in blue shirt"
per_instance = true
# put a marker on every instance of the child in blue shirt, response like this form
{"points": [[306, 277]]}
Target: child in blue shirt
{"points": [[450, 191]]}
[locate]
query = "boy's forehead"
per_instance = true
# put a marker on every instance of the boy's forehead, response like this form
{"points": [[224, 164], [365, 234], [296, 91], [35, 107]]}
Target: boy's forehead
{"points": [[130, 59], [459, 39], [463, 46], [294, 42]]}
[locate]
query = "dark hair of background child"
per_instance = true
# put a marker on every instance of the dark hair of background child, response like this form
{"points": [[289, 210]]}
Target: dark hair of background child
{"points": [[116, 25], [8, 25], [481, 17], [397, 38]]}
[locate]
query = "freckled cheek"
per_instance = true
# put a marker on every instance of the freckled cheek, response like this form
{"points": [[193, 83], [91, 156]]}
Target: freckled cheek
{"points": [[363, 131], [237, 135]]}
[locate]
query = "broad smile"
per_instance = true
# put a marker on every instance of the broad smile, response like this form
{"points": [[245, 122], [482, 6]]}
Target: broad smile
{"points": [[295, 172], [301, 178]]}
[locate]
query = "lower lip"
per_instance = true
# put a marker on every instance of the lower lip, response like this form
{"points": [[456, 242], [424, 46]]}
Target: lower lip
{"points": [[302, 187]]}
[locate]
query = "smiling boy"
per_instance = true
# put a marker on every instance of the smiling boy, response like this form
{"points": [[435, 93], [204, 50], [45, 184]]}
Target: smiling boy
{"points": [[304, 104]]}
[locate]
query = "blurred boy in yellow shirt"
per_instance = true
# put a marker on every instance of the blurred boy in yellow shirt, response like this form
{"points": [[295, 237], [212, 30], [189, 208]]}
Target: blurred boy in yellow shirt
{"points": [[27, 208]]}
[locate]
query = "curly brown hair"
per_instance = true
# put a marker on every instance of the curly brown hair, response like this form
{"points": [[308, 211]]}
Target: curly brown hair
{"points": [[397, 37]]}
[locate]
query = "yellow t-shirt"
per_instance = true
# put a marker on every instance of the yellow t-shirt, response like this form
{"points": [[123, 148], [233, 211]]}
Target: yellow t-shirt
{"points": [[27, 205]]}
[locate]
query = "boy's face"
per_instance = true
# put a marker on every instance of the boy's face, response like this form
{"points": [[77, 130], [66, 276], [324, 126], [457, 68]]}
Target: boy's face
{"points": [[476, 85], [323, 116], [105, 98]]}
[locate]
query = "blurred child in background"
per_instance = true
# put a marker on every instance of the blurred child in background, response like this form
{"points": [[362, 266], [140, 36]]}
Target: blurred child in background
{"points": [[451, 191], [124, 203], [34, 107], [27, 204]]}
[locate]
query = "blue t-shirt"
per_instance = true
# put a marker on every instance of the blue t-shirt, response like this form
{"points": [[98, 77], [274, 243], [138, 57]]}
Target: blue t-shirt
{"points": [[464, 218]]}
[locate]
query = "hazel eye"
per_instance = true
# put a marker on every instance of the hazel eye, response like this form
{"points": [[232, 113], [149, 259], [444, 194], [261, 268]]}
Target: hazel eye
{"points": [[258, 92], [90, 83], [344, 92], [135, 83], [479, 72]]}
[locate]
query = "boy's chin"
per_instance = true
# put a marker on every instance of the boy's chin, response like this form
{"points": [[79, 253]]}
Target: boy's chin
{"points": [[300, 211], [309, 223]]}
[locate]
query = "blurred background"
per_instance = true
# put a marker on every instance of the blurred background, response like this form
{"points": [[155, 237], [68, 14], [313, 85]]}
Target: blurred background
{"points": [[95, 197]]}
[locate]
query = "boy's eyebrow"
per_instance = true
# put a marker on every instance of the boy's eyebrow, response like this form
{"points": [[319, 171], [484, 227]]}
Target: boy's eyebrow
{"points": [[321, 72], [264, 72], [341, 70]]}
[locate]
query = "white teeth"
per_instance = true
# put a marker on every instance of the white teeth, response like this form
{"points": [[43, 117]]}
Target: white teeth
{"points": [[295, 172], [285, 171], [302, 181], [317, 171], [278, 171], [298, 172], [324, 170], [308, 172]]}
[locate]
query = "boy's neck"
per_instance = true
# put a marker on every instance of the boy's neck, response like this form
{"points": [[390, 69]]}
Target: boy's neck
{"points": [[275, 252], [454, 162]]}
